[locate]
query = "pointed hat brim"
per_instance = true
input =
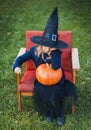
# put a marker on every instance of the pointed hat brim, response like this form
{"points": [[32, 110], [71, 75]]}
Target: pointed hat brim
{"points": [[47, 42]]}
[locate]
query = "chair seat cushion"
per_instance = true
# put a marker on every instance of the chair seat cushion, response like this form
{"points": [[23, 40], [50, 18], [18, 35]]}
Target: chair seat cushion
{"points": [[27, 82]]}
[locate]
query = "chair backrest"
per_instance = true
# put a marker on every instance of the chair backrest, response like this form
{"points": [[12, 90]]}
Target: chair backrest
{"points": [[65, 36]]}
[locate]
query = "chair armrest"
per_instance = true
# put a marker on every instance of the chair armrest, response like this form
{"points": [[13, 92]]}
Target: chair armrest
{"points": [[75, 59], [21, 51]]}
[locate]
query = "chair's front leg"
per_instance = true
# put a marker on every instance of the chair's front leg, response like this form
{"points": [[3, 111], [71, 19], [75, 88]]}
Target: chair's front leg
{"points": [[19, 101], [19, 93], [18, 79]]}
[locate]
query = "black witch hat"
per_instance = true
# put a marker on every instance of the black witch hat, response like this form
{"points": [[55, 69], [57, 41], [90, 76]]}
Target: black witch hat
{"points": [[50, 34]]}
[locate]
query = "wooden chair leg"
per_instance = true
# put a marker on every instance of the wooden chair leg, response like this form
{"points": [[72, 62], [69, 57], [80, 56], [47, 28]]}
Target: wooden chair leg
{"points": [[74, 76], [19, 101], [74, 80], [19, 93]]}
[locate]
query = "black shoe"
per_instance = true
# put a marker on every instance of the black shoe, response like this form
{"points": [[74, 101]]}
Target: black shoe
{"points": [[48, 118], [60, 120]]}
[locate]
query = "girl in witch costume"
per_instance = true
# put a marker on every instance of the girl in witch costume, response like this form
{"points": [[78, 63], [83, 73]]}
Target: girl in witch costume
{"points": [[49, 98]]}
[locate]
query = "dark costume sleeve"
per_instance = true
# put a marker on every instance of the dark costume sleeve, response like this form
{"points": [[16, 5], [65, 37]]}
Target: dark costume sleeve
{"points": [[56, 59], [23, 58]]}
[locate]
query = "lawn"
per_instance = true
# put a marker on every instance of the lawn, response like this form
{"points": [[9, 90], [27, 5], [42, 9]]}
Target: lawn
{"points": [[15, 18]]}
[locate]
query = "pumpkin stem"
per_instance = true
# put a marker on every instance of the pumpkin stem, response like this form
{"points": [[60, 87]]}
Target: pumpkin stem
{"points": [[47, 65]]}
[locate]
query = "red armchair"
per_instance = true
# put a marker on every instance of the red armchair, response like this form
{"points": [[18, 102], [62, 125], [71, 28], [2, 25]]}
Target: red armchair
{"points": [[70, 64]]}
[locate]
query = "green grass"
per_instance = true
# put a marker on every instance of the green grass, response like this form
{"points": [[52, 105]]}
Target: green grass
{"points": [[15, 18]]}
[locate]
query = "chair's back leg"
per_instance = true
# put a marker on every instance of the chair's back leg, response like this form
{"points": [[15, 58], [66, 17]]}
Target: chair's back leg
{"points": [[74, 76]]}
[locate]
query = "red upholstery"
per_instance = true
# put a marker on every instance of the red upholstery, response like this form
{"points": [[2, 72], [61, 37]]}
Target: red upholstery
{"points": [[68, 75], [29, 75], [66, 60]]}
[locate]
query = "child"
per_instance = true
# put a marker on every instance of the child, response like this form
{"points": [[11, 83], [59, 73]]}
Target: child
{"points": [[49, 98]]}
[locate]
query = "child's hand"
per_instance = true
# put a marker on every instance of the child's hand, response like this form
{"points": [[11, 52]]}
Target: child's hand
{"points": [[52, 49], [17, 70]]}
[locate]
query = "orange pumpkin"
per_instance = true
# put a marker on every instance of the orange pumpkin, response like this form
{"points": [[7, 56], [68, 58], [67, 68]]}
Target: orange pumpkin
{"points": [[48, 76]]}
